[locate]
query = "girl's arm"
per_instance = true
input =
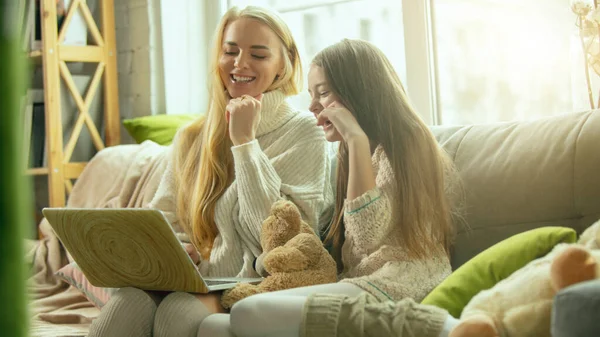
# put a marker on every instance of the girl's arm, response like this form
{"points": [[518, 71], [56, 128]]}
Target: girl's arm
{"points": [[368, 216], [360, 170]]}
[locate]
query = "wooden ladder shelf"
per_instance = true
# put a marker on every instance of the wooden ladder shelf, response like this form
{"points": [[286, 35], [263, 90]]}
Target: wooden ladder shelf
{"points": [[54, 57]]}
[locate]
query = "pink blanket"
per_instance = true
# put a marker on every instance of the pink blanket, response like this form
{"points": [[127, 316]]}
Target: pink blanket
{"points": [[120, 176]]}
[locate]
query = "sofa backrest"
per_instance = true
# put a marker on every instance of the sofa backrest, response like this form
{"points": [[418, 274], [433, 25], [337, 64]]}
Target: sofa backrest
{"points": [[524, 175]]}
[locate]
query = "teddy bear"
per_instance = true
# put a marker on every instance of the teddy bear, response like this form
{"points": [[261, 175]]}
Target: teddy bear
{"points": [[293, 256], [521, 305]]}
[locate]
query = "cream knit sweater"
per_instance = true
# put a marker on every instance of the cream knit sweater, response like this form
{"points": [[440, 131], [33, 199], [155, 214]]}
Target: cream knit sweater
{"points": [[372, 253], [287, 160]]}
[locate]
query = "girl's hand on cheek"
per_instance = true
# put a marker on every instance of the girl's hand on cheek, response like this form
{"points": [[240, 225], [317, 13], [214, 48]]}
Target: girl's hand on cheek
{"points": [[343, 121]]}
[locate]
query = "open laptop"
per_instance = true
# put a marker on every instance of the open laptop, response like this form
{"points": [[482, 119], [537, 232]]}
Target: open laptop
{"points": [[131, 247]]}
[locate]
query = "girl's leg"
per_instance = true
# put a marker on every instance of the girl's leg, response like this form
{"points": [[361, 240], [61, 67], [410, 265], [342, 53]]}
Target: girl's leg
{"points": [[279, 313], [268, 316], [330, 288], [179, 314], [216, 325], [129, 312]]}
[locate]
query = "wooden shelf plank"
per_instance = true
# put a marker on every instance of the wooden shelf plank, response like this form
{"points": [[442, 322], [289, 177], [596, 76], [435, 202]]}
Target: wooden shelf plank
{"points": [[38, 171], [35, 54], [74, 54], [71, 170], [81, 53], [74, 169]]}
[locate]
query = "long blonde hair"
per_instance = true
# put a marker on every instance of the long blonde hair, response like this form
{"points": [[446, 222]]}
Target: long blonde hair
{"points": [[203, 162], [364, 80]]}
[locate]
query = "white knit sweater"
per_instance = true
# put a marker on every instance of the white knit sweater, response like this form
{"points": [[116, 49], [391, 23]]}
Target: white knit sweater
{"points": [[287, 160]]}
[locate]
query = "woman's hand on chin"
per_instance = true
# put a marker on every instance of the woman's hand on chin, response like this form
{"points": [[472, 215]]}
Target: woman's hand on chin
{"points": [[243, 116]]}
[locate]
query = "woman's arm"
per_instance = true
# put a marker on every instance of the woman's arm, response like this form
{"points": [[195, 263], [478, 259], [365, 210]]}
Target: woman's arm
{"points": [[165, 197]]}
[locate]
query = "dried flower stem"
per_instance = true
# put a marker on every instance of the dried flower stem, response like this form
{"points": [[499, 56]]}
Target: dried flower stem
{"points": [[596, 37], [585, 64]]}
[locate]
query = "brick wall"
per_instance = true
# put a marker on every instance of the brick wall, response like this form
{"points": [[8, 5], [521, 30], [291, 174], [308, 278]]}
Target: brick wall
{"points": [[141, 83]]}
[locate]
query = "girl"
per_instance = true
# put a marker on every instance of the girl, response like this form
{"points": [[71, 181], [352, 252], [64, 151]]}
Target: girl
{"points": [[227, 169], [392, 226]]}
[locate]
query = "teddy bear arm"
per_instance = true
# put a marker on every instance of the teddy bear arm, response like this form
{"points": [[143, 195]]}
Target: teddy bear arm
{"points": [[285, 259], [239, 292]]}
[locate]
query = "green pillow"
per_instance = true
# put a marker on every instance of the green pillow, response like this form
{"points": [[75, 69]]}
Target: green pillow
{"points": [[495, 264], [159, 128]]}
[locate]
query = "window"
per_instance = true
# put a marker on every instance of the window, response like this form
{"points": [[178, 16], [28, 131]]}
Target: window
{"points": [[462, 61], [500, 60], [318, 24]]}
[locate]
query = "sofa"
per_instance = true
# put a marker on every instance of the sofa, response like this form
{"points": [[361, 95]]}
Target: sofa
{"points": [[524, 175], [517, 176], [520, 176]]}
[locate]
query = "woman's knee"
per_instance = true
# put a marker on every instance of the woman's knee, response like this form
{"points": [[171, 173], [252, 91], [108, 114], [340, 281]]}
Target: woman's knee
{"points": [[135, 300], [179, 314], [129, 312]]}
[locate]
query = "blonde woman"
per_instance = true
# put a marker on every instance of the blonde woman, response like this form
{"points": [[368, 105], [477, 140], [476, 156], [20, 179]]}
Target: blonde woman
{"points": [[227, 169], [393, 220]]}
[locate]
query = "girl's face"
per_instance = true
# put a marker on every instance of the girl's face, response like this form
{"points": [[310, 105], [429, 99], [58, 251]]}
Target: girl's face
{"points": [[321, 97], [251, 58]]}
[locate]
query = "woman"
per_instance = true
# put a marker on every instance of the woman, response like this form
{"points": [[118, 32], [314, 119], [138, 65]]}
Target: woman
{"points": [[392, 226], [228, 168]]}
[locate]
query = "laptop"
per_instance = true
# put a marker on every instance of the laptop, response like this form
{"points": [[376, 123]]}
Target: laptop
{"points": [[131, 247]]}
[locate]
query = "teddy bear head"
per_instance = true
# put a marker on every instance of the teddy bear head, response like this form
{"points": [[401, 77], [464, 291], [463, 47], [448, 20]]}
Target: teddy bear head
{"points": [[283, 224]]}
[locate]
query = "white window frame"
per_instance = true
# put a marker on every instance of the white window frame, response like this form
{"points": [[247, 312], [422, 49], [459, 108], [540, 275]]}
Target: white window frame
{"points": [[421, 64]]}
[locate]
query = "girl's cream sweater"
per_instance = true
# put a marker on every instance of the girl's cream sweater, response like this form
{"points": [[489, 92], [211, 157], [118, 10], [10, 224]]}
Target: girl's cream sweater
{"points": [[373, 256]]}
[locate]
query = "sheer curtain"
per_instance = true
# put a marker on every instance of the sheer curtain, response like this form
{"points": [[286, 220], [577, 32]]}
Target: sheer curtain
{"points": [[506, 60]]}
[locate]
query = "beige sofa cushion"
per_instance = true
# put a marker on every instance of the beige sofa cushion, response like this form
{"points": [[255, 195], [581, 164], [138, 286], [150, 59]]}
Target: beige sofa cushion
{"points": [[523, 175]]}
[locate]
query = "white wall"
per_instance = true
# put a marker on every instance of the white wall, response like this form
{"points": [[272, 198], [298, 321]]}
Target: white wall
{"points": [[139, 62]]}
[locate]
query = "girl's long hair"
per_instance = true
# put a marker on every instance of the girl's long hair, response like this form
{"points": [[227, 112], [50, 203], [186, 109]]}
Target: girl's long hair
{"points": [[364, 80]]}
